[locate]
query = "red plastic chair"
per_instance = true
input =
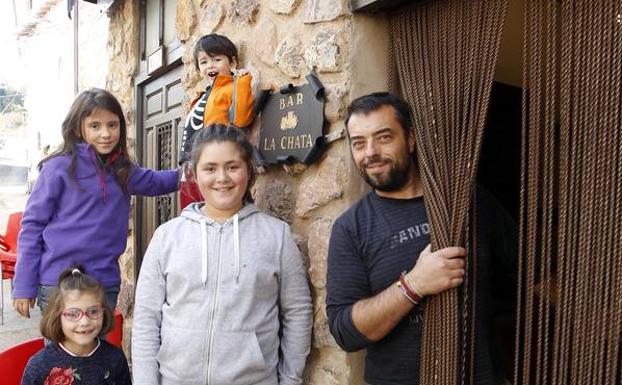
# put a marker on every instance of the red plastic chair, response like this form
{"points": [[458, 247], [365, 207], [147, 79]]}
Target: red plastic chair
{"points": [[115, 336], [188, 193], [8, 245], [8, 254], [13, 360]]}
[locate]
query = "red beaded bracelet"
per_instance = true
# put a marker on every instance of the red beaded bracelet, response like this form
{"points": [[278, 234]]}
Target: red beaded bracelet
{"points": [[408, 290]]}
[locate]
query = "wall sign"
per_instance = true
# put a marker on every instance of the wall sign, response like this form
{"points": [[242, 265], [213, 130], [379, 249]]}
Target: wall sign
{"points": [[291, 123]]}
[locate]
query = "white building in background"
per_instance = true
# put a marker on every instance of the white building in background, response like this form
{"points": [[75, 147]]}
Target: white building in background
{"points": [[46, 39]]}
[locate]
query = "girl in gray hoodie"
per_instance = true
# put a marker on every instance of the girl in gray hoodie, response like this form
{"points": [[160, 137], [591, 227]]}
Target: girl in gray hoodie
{"points": [[222, 296]]}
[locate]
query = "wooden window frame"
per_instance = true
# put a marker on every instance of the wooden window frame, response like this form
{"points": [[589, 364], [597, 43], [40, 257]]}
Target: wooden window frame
{"points": [[172, 52]]}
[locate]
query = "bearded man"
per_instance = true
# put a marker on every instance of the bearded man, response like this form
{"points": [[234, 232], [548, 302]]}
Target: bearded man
{"points": [[380, 266]]}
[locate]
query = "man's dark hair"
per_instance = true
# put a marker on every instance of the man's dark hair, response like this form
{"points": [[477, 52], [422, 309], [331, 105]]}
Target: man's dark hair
{"points": [[374, 101], [214, 44]]}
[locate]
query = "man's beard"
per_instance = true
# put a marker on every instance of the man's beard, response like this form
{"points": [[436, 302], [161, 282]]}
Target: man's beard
{"points": [[396, 178]]}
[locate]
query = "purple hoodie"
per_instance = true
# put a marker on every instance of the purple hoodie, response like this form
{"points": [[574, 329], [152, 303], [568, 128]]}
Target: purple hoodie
{"points": [[65, 223]]}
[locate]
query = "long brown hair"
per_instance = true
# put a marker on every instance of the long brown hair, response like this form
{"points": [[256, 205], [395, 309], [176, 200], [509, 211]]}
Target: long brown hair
{"points": [[226, 133], [72, 279], [82, 107]]}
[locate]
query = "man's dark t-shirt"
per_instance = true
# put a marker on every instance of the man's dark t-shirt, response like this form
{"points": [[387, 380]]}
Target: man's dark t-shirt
{"points": [[378, 238]]}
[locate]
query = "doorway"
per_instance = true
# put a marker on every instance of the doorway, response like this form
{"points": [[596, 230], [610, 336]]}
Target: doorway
{"points": [[158, 136]]}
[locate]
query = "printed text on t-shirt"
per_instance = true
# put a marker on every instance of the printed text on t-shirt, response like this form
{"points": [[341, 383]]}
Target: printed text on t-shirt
{"points": [[409, 234]]}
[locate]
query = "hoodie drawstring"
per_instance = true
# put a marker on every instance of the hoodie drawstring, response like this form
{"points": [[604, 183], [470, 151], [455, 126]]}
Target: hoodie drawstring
{"points": [[203, 251], [236, 247]]}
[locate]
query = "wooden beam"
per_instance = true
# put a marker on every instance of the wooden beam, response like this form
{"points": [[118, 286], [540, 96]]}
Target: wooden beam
{"points": [[379, 5]]}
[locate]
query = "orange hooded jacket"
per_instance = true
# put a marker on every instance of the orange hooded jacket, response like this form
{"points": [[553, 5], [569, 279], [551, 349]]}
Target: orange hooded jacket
{"points": [[221, 98]]}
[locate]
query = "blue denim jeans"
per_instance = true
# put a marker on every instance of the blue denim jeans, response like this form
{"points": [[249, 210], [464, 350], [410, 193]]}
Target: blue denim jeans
{"points": [[44, 292]]}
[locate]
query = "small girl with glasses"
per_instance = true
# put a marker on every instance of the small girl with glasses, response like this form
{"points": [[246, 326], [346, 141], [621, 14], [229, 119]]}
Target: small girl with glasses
{"points": [[73, 321]]}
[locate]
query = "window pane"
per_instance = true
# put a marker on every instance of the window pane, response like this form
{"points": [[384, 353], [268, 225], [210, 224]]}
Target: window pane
{"points": [[152, 40], [170, 7]]}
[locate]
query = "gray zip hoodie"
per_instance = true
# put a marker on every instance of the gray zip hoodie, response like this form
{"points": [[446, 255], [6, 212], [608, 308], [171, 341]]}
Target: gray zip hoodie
{"points": [[221, 303]]}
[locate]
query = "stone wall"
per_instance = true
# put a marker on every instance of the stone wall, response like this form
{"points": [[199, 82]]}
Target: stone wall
{"points": [[123, 53], [281, 41]]}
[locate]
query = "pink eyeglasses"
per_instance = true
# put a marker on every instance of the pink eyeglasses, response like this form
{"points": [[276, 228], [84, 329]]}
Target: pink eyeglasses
{"points": [[74, 314]]}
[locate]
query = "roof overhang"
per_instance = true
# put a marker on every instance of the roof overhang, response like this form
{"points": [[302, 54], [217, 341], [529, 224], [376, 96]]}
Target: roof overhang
{"points": [[106, 5], [379, 5]]}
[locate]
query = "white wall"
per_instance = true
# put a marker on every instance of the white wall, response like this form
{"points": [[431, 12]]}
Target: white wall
{"points": [[48, 60]]}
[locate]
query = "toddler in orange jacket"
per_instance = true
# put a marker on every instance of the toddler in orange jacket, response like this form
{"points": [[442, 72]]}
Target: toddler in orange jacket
{"points": [[228, 98]]}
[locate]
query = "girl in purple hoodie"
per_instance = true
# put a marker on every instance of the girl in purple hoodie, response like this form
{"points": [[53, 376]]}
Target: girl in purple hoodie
{"points": [[78, 211]]}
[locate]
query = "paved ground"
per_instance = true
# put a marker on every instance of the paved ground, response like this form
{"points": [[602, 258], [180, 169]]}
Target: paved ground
{"points": [[15, 328]]}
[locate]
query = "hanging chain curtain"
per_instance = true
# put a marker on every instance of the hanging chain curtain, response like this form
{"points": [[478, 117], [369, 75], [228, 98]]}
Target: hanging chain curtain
{"points": [[445, 53], [570, 287]]}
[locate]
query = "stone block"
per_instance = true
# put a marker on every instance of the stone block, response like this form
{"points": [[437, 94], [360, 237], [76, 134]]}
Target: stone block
{"points": [[319, 236], [335, 107], [127, 337], [324, 10], [284, 7], [213, 15], [301, 242], [321, 332], [293, 169], [323, 53], [188, 55], [328, 366], [125, 301], [265, 41], [288, 57], [274, 197], [185, 19], [326, 185], [243, 11]]}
